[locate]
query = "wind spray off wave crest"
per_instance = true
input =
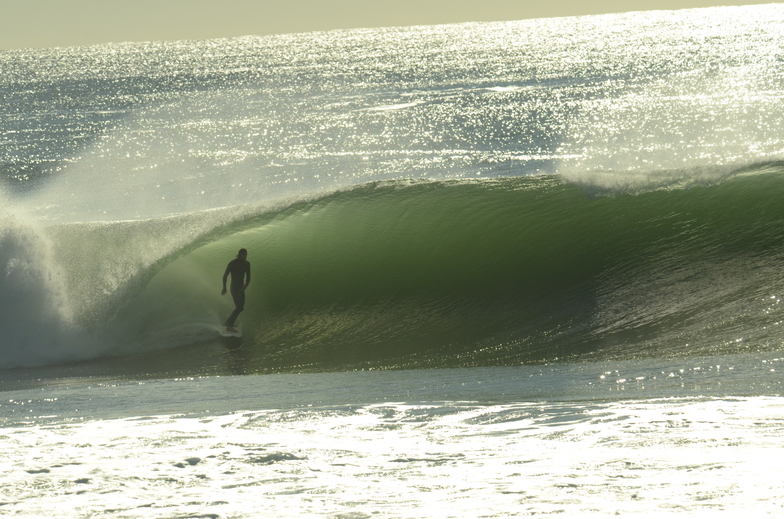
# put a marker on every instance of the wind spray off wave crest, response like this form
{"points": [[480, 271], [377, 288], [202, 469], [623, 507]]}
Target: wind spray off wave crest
{"points": [[36, 320]]}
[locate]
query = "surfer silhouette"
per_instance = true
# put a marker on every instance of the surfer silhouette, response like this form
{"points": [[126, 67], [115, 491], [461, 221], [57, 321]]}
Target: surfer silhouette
{"points": [[239, 268]]}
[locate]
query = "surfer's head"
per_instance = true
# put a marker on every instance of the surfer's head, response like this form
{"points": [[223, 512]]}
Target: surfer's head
{"points": [[242, 254]]}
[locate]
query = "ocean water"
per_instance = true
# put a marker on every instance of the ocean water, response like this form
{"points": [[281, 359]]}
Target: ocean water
{"points": [[499, 269]]}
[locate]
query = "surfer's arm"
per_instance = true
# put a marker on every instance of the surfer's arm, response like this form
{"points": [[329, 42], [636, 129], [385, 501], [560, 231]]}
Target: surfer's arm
{"points": [[247, 277], [225, 277]]}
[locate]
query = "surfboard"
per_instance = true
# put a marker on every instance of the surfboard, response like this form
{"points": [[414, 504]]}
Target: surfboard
{"points": [[225, 332]]}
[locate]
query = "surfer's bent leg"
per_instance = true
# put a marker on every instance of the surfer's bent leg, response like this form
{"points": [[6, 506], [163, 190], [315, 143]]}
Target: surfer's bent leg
{"points": [[239, 299], [239, 303]]}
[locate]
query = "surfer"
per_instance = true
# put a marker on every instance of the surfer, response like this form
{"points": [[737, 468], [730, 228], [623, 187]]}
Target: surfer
{"points": [[239, 269]]}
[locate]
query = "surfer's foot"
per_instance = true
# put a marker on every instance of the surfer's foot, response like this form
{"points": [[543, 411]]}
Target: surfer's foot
{"points": [[230, 328]]}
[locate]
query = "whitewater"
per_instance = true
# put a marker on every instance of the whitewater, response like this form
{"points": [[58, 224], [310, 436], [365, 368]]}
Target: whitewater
{"points": [[499, 269]]}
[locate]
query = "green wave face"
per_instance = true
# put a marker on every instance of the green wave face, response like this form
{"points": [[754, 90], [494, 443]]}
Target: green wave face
{"points": [[488, 273]]}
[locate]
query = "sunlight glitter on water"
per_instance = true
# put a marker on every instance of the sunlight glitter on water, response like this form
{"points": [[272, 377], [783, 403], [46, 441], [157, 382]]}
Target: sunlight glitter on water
{"points": [[392, 460]]}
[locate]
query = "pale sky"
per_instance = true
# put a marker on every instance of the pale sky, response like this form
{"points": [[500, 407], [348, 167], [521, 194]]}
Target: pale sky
{"points": [[63, 23]]}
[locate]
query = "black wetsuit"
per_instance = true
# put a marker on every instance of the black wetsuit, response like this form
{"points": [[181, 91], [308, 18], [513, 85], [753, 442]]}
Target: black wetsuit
{"points": [[239, 270]]}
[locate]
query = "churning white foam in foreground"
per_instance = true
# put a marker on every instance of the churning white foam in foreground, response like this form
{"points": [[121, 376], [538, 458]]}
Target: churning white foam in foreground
{"points": [[649, 458]]}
